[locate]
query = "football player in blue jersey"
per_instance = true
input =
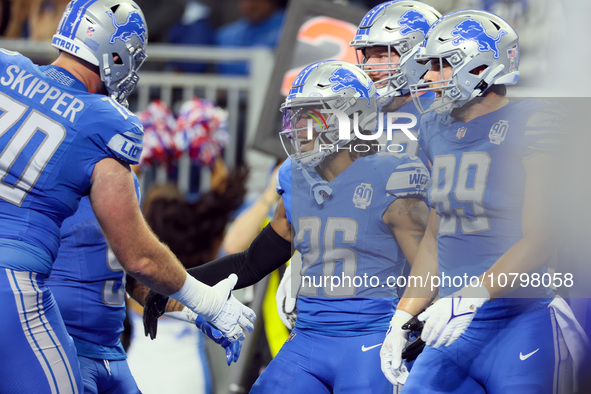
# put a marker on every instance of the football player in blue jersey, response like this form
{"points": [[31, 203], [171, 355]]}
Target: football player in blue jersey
{"points": [[490, 157], [89, 286], [355, 217], [386, 41], [59, 141]]}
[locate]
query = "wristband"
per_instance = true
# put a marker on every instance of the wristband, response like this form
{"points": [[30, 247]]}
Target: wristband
{"points": [[400, 318], [193, 296]]}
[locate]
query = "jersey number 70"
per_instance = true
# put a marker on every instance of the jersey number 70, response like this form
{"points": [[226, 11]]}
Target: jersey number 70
{"points": [[24, 157]]}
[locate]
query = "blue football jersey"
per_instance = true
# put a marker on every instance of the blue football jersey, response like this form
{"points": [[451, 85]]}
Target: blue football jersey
{"points": [[346, 237], [53, 132], [477, 189], [88, 284]]}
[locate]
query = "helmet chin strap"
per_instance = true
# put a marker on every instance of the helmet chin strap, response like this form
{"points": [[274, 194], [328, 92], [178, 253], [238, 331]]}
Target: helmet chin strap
{"points": [[319, 188], [486, 81]]}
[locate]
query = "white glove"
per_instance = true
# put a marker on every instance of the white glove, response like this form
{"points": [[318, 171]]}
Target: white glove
{"points": [[391, 353], [217, 306], [449, 317], [285, 301], [185, 315], [233, 318]]}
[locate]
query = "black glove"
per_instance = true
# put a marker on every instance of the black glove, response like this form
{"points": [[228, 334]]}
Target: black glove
{"points": [[154, 307], [416, 345]]}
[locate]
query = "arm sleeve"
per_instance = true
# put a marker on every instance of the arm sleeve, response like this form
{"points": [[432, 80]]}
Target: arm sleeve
{"points": [[266, 253]]}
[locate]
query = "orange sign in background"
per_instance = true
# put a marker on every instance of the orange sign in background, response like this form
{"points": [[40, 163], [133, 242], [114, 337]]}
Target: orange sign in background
{"points": [[323, 38]]}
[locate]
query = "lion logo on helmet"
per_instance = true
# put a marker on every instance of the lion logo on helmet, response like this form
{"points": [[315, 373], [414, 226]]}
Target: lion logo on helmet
{"points": [[134, 25], [472, 30], [412, 21], [346, 79]]}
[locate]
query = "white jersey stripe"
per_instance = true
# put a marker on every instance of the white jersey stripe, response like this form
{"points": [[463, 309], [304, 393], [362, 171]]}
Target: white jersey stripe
{"points": [[22, 311], [564, 377], [40, 335], [555, 334], [54, 339]]}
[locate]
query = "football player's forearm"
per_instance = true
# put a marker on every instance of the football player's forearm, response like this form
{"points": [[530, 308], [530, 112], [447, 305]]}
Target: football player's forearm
{"points": [[247, 226], [529, 254], [408, 218], [419, 291], [136, 290], [114, 202], [174, 306], [267, 252], [157, 268], [536, 248], [418, 297], [147, 259]]}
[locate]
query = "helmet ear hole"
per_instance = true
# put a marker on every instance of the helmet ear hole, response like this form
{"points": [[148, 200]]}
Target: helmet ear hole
{"points": [[116, 58], [478, 70], [114, 8]]}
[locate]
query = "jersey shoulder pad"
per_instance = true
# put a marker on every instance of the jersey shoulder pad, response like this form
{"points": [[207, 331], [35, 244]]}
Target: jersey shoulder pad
{"points": [[120, 130], [545, 129], [410, 178], [18, 61], [284, 177], [7, 56]]}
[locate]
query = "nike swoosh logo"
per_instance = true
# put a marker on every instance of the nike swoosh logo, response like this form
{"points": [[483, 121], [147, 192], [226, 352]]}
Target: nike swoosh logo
{"points": [[526, 356], [365, 349]]}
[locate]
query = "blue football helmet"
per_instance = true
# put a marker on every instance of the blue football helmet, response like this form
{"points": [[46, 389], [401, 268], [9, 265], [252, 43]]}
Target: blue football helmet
{"points": [[310, 129], [482, 49], [110, 34], [401, 26]]}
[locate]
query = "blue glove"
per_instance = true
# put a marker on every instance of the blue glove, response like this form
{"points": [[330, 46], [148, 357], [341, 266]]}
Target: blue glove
{"points": [[232, 349], [233, 352]]}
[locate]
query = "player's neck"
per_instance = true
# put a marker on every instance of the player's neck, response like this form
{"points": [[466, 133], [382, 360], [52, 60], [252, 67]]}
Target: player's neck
{"points": [[480, 106], [334, 165], [89, 78]]}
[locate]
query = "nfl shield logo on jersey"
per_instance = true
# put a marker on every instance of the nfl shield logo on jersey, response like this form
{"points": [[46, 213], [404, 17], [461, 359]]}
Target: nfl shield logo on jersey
{"points": [[498, 132], [362, 196], [461, 132]]}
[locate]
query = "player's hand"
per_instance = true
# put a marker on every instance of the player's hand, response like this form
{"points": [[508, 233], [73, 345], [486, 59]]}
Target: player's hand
{"points": [[449, 317], [232, 348], [233, 352], [234, 317], [154, 307], [391, 351], [286, 303], [415, 346]]}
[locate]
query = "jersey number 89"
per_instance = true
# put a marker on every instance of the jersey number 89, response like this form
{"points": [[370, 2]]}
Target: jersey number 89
{"points": [[471, 180]]}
